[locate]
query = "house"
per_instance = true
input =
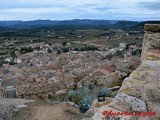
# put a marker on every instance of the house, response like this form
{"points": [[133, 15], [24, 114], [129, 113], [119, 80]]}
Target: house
{"points": [[109, 69]]}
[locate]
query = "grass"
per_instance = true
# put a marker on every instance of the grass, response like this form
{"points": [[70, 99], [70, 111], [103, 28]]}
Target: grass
{"points": [[60, 97]]}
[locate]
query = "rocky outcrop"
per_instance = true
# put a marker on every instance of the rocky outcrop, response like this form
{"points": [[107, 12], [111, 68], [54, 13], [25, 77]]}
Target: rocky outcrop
{"points": [[151, 44], [140, 92], [95, 106], [152, 27], [9, 106]]}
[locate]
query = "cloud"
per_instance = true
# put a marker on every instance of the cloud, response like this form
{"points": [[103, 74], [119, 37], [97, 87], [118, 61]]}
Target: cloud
{"points": [[150, 5], [79, 9]]}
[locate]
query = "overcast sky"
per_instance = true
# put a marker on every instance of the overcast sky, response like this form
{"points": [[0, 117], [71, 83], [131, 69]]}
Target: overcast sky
{"points": [[136, 10]]}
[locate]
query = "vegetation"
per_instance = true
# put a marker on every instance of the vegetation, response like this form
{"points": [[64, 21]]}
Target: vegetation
{"points": [[65, 49], [109, 57], [86, 48], [64, 43], [49, 50], [58, 51], [105, 92], [57, 97], [119, 54], [85, 95], [75, 98], [24, 50], [13, 55], [2, 61]]}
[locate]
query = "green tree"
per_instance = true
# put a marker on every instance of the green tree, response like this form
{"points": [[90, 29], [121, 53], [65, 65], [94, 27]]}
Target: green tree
{"points": [[58, 52], [64, 43], [30, 49], [119, 53], [49, 50], [105, 92], [13, 55], [109, 57]]}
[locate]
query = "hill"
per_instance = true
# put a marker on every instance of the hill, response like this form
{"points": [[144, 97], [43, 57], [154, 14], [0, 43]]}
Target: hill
{"points": [[73, 24], [140, 26]]}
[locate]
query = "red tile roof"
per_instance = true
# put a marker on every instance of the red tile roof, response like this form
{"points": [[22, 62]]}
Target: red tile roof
{"points": [[50, 66], [109, 69]]}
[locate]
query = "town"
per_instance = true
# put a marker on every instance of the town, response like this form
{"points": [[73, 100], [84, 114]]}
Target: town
{"points": [[79, 60], [49, 70]]}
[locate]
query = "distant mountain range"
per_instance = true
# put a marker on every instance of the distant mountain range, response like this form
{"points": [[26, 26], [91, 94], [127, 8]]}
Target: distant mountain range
{"points": [[73, 24]]}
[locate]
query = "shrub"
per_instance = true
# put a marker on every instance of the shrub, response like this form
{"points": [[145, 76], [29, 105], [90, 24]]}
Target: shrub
{"points": [[64, 43], [75, 98], [105, 92], [85, 104], [57, 97], [49, 50], [58, 52]]}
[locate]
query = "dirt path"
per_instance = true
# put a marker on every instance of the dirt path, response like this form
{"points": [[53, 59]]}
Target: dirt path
{"points": [[47, 112]]}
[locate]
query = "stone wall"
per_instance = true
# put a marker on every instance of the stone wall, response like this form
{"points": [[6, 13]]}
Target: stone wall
{"points": [[140, 92], [151, 43]]}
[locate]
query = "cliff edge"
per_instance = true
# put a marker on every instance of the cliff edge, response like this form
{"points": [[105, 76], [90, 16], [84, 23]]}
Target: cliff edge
{"points": [[140, 92]]}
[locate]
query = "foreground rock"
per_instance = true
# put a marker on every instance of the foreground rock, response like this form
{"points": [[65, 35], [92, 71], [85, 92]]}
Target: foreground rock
{"points": [[140, 92], [152, 27], [9, 106], [95, 107]]}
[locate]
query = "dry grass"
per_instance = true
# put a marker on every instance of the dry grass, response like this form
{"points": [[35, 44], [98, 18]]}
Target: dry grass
{"points": [[71, 109], [43, 111]]}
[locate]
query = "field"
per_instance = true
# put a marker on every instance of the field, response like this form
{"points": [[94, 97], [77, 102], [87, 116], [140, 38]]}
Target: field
{"points": [[12, 39]]}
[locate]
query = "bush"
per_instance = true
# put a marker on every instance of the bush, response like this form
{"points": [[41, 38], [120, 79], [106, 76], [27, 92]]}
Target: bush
{"points": [[59, 97], [58, 52], [37, 48], [64, 43], [91, 87], [26, 50], [12, 63], [105, 92], [65, 49], [2, 61], [109, 57], [49, 50], [119, 53], [75, 98], [85, 104]]}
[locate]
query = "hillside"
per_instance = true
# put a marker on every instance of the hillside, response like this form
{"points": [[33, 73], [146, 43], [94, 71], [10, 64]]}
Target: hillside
{"points": [[141, 25], [74, 24]]}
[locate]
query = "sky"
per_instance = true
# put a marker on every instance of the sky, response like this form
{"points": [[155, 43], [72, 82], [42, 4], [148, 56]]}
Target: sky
{"points": [[135, 10]]}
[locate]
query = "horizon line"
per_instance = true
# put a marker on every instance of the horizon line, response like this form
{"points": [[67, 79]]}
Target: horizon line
{"points": [[77, 19]]}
